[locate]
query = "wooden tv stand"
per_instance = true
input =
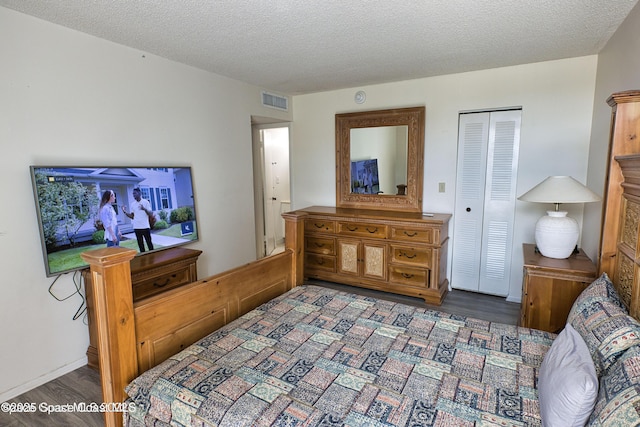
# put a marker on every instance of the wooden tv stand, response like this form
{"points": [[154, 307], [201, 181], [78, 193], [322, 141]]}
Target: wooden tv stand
{"points": [[151, 274]]}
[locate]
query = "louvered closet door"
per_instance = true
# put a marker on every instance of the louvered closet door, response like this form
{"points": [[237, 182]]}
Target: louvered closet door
{"points": [[485, 201]]}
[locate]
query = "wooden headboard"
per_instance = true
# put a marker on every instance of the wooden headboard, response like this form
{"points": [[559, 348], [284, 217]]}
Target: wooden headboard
{"points": [[619, 251], [626, 274]]}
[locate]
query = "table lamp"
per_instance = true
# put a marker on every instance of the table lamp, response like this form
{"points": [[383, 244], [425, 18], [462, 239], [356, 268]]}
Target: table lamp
{"points": [[557, 234]]}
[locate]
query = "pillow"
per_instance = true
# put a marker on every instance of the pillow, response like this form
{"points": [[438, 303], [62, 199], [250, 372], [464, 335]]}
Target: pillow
{"points": [[618, 402], [603, 322], [600, 289], [567, 383]]}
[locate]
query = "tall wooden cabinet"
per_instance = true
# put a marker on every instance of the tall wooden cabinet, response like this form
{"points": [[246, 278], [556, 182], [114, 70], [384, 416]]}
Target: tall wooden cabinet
{"points": [[624, 140], [627, 256], [399, 252]]}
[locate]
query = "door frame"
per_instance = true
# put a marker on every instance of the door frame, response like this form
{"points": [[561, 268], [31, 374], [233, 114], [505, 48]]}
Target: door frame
{"points": [[261, 204]]}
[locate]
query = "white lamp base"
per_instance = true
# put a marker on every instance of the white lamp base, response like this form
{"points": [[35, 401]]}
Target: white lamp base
{"points": [[556, 235]]}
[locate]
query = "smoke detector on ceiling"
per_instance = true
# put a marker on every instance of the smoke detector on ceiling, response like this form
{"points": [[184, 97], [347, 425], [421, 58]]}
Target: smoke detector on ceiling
{"points": [[360, 97]]}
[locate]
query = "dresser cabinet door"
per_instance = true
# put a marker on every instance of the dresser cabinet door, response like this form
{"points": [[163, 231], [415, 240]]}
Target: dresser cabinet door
{"points": [[348, 257], [362, 258], [374, 260]]}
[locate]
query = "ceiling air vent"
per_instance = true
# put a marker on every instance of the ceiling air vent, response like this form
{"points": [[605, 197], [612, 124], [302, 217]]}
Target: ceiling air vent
{"points": [[275, 101]]}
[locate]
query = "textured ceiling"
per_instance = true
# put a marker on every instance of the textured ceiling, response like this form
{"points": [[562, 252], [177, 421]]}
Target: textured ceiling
{"points": [[303, 46]]}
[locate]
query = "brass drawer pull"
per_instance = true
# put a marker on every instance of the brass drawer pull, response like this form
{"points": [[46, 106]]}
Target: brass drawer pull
{"points": [[319, 245], [407, 276], [166, 282], [316, 225], [320, 262], [404, 254], [370, 230], [410, 234]]}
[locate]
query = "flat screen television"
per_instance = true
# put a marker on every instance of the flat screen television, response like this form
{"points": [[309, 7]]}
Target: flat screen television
{"points": [[364, 176], [68, 200]]}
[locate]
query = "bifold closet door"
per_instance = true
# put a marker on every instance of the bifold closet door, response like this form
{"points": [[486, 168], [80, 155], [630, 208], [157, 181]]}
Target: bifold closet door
{"points": [[484, 211]]}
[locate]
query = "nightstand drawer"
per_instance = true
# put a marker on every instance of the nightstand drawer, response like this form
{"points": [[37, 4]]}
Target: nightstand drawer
{"points": [[161, 283], [412, 234], [411, 255], [363, 229], [320, 245]]}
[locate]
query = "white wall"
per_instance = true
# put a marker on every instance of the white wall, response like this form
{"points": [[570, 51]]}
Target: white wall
{"points": [[67, 98], [618, 70], [556, 99]]}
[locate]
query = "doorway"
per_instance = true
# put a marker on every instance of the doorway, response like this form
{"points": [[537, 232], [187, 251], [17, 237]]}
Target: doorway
{"points": [[484, 213], [271, 185]]}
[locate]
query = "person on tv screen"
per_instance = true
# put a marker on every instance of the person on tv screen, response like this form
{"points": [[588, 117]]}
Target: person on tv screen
{"points": [[140, 212], [109, 219]]}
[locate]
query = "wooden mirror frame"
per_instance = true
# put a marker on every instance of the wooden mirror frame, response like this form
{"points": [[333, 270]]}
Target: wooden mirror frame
{"points": [[414, 118]]}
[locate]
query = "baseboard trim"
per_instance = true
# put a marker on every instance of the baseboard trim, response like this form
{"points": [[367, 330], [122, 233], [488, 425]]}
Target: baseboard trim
{"points": [[514, 299]]}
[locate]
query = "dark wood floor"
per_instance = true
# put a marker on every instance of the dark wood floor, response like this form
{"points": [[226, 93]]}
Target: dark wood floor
{"points": [[470, 304], [83, 384]]}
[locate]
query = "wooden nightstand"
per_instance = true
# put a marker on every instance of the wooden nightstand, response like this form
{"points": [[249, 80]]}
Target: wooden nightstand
{"points": [[550, 286]]}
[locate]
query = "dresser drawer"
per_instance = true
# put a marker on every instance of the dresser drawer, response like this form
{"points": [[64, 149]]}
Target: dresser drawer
{"points": [[319, 262], [413, 234], [363, 229], [320, 245], [409, 275], [319, 226], [161, 283], [420, 257]]}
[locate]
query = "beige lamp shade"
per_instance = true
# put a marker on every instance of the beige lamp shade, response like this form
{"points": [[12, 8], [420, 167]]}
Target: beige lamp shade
{"points": [[559, 189], [557, 234]]}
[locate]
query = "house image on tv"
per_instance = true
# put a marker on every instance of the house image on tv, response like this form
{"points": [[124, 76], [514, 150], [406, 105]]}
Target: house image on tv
{"points": [[165, 188]]}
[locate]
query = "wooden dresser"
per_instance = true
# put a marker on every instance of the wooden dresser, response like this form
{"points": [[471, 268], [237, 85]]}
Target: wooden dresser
{"points": [[550, 286], [151, 274], [399, 252]]}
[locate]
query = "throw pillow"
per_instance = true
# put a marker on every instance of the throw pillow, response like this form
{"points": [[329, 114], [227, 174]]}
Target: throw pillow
{"points": [[567, 384]]}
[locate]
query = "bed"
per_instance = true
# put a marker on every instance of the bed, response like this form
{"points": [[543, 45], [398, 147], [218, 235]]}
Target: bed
{"points": [[316, 356], [255, 346]]}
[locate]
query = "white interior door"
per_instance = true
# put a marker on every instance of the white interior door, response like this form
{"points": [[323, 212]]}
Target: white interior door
{"points": [[271, 182], [488, 145]]}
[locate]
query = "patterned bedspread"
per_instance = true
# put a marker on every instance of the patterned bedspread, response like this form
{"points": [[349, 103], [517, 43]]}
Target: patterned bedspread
{"points": [[320, 357]]}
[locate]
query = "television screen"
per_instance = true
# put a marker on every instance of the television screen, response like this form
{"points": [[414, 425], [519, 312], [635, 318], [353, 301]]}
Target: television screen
{"points": [[85, 208], [364, 176]]}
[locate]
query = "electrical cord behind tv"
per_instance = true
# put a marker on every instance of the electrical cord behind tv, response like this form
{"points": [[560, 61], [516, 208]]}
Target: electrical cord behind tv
{"points": [[77, 282]]}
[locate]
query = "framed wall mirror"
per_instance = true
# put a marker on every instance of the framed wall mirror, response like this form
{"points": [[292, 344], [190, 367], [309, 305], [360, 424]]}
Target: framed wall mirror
{"points": [[379, 159]]}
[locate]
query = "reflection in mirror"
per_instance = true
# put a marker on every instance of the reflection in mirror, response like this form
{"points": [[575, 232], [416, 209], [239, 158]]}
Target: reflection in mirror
{"points": [[379, 160], [373, 169]]}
